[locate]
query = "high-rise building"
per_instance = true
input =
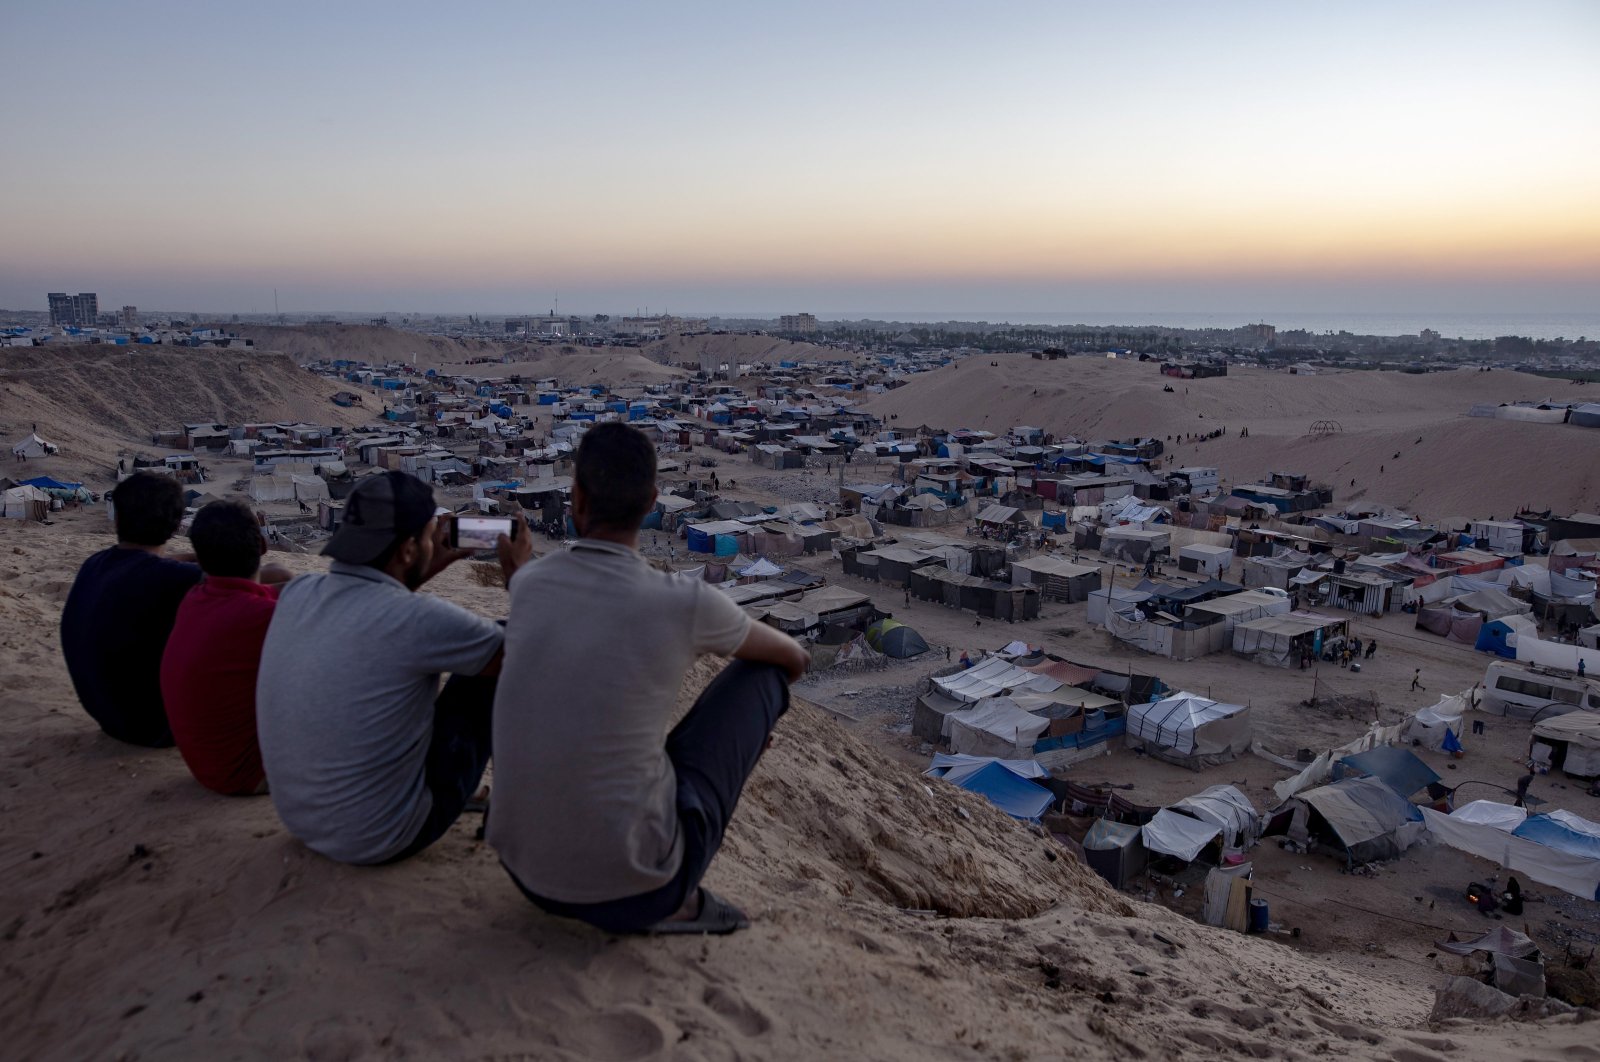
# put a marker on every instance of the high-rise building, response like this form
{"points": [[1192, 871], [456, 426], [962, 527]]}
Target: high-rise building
{"points": [[798, 323], [130, 317], [81, 310]]}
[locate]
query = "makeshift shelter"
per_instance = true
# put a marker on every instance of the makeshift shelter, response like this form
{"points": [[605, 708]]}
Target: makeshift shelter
{"points": [[1499, 636], [1207, 560], [1500, 837], [1004, 783], [1112, 599], [1057, 579], [1180, 836], [1363, 817], [1574, 742], [1397, 768], [1279, 640], [995, 727], [1226, 807], [1190, 730], [1430, 725], [1134, 545], [1115, 851], [26, 503], [33, 446], [894, 639]]}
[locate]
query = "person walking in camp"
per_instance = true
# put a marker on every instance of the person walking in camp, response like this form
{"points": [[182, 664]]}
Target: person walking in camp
{"points": [[600, 813], [1416, 681], [367, 759], [1372, 647]]}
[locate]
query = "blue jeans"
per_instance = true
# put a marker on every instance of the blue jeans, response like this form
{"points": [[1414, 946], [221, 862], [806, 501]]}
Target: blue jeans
{"points": [[714, 750]]}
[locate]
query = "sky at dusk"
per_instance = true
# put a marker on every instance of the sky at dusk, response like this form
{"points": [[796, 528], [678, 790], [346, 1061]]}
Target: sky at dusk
{"points": [[846, 158]]}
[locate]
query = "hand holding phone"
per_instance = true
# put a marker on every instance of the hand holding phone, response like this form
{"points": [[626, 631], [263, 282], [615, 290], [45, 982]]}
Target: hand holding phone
{"points": [[480, 532]]}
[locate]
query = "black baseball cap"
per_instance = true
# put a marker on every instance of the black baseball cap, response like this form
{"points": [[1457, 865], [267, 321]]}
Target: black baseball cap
{"points": [[383, 509]]}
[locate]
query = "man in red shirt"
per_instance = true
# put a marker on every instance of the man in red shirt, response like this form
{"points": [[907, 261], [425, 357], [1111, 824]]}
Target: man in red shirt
{"points": [[208, 673]]}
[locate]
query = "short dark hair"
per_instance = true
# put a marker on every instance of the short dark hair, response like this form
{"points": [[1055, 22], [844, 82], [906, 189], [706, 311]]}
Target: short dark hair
{"points": [[616, 468], [149, 508], [226, 539]]}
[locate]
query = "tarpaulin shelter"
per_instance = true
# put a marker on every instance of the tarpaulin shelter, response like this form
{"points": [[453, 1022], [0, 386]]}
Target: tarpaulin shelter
{"points": [[1397, 768], [954, 766], [1564, 831], [1430, 725], [1499, 636], [1278, 640], [995, 727], [1190, 730], [1002, 787], [1057, 579], [1501, 940], [33, 446], [26, 503], [1115, 851], [1226, 807], [1499, 841], [893, 638], [1362, 816], [1177, 835], [1574, 740]]}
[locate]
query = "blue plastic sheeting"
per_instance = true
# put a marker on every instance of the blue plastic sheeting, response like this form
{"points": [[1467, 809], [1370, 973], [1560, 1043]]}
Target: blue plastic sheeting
{"points": [[1492, 639], [1554, 834], [549, 399], [652, 522], [727, 546], [1097, 728], [46, 483], [500, 411], [1050, 519], [700, 542], [1399, 769], [1015, 796], [954, 766]]}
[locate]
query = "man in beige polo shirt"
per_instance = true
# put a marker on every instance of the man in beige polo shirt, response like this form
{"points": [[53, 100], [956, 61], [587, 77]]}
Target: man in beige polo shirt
{"points": [[600, 813]]}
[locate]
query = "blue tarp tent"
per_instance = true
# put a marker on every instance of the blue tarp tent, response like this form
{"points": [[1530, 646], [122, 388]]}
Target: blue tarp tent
{"points": [[1492, 638], [1561, 831], [1056, 520], [1015, 796], [727, 546], [700, 542], [1399, 769], [46, 483], [500, 410]]}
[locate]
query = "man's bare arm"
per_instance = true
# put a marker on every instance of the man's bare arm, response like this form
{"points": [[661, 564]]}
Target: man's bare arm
{"points": [[768, 645]]}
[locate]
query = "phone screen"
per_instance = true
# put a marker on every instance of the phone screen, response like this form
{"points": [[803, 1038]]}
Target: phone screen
{"points": [[479, 532]]}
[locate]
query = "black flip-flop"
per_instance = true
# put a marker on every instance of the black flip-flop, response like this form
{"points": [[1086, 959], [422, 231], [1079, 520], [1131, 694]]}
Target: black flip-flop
{"points": [[717, 916]]}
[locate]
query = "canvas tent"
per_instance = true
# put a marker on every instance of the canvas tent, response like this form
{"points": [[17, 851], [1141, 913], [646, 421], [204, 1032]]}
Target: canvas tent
{"points": [[995, 727], [1115, 851], [1190, 730], [1177, 835], [1004, 783], [1574, 741], [33, 446], [26, 503], [1226, 807], [1430, 725], [1362, 816], [1504, 839], [1277, 640], [1397, 768]]}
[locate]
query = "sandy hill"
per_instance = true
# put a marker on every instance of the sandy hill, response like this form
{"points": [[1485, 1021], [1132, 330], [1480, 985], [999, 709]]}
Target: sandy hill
{"points": [[573, 365], [1463, 465], [895, 918], [763, 350], [375, 344], [95, 400]]}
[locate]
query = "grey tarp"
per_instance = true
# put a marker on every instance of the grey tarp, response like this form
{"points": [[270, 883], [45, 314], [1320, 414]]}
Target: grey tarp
{"points": [[1368, 818]]}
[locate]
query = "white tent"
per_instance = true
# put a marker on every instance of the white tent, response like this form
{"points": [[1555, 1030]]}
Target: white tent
{"points": [[33, 446], [761, 569], [1572, 872], [272, 488], [26, 503], [1190, 729], [1429, 724], [993, 677], [995, 727], [310, 488], [1581, 732], [1226, 807], [1174, 834]]}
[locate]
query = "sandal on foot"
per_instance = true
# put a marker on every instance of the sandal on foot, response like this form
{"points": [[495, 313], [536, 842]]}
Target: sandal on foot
{"points": [[716, 916]]}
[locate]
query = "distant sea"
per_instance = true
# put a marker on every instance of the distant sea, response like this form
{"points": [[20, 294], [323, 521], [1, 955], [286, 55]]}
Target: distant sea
{"points": [[1449, 325]]}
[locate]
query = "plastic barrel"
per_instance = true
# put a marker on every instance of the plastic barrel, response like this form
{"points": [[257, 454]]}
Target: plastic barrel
{"points": [[1258, 916]]}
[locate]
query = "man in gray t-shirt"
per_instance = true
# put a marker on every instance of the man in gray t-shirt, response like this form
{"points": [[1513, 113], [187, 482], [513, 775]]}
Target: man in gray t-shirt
{"points": [[600, 814], [367, 761]]}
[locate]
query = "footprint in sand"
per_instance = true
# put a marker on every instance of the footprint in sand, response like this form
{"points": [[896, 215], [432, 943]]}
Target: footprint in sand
{"points": [[617, 1036], [737, 1012]]}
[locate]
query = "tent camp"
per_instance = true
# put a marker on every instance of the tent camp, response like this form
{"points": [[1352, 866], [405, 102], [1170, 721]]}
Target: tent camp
{"points": [[1190, 730], [1574, 741], [1115, 851], [1363, 817], [33, 447], [893, 638], [1004, 783]]}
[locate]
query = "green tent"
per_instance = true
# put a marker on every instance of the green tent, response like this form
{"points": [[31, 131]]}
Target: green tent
{"points": [[893, 638]]}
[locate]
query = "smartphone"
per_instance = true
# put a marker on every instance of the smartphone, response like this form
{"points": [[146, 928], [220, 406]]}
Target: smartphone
{"points": [[480, 532]]}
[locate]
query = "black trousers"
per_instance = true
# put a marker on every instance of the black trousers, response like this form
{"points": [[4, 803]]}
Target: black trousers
{"points": [[457, 755], [714, 750]]}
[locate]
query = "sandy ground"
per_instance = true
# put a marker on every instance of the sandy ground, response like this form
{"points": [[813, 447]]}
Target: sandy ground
{"points": [[1448, 464]]}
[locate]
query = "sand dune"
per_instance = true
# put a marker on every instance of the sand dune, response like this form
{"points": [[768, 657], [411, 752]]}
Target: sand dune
{"points": [[94, 401], [371, 343], [762, 350], [149, 918], [1463, 466]]}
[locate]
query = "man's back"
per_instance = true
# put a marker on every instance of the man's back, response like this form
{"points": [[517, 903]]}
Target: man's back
{"points": [[344, 705], [208, 680], [585, 804], [114, 629]]}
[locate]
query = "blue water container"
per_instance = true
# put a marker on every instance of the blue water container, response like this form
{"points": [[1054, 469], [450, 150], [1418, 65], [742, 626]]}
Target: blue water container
{"points": [[1258, 916]]}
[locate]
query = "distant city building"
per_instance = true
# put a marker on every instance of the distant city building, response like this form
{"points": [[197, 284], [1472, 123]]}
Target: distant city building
{"points": [[1429, 336], [798, 323], [545, 324], [130, 317], [80, 311], [1263, 333]]}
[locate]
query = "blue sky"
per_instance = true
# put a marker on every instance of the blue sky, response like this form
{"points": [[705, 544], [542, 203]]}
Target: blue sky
{"points": [[865, 157]]}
